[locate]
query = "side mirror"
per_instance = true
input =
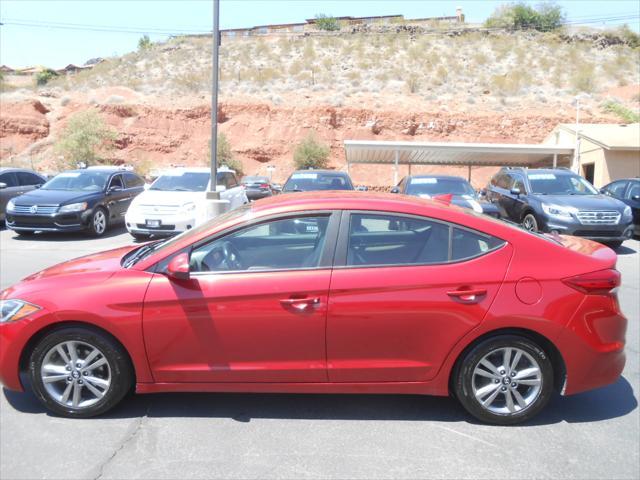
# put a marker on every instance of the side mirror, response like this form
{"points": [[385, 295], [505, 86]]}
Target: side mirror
{"points": [[395, 190], [178, 268], [362, 188], [3, 185], [482, 192], [515, 191]]}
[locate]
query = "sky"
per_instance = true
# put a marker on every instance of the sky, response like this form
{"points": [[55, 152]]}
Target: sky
{"points": [[78, 41]]}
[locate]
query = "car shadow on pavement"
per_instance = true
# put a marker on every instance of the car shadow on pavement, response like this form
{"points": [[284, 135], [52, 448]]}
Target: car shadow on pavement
{"points": [[606, 403], [624, 250], [70, 236]]}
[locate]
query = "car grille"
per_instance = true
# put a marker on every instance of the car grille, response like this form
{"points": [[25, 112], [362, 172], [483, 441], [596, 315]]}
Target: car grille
{"points": [[31, 221], [41, 209], [161, 227], [158, 209], [599, 217]]}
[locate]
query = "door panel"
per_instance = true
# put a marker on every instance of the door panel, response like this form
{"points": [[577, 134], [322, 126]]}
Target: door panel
{"points": [[398, 323], [238, 327]]}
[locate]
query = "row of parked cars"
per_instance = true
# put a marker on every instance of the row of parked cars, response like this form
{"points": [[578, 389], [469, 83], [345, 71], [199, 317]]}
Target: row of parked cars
{"points": [[92, 199]]}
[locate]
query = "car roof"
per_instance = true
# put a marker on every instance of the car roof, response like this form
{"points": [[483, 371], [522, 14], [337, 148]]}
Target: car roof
{"points": [[16, 169], [324, 172]]}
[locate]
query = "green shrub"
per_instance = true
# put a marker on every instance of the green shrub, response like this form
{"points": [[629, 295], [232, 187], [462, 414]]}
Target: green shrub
{"points": [[521, 16], [328, 23], [225, 156], [44, 76], [583, 79], [311, 154], [85, 139], [626, 114], [144, 43]]}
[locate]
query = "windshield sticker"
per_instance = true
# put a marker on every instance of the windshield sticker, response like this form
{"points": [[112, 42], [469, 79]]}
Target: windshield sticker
{"points": [[300, 176], [173, 173], [69, 175], [542, 176], [424, 181]]}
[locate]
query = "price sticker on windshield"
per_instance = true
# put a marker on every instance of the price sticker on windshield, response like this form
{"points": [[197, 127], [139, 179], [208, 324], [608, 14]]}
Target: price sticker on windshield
{"points": [[424, 181], [302, 176], [542, 176]]}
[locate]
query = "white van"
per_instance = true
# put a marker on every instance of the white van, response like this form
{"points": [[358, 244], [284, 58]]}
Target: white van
{"points": [[175, 201]]}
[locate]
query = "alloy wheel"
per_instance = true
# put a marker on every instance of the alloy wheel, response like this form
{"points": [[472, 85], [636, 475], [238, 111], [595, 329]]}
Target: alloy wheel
{"points": [[507, 381], [530, 224], [99, 222], [75, 374]]}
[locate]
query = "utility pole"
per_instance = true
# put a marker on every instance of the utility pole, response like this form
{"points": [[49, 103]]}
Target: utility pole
{"points": [[213, 194]]}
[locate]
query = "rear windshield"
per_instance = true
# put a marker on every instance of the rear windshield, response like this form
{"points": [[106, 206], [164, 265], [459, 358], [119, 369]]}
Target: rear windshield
{"points": [[300, 182], [90, 181], [439, 186], [255, 180], [552, 184]]}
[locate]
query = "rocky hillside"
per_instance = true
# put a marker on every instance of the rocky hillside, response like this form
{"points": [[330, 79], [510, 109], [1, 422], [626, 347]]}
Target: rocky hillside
{"points": [[406, 85]]}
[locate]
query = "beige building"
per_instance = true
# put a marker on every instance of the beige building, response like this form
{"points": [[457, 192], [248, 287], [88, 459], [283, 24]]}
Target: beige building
{"points": [[606, 152]]}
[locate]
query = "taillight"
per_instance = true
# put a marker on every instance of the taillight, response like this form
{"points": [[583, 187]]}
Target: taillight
{"points": [[264, 185], [595, 283]]}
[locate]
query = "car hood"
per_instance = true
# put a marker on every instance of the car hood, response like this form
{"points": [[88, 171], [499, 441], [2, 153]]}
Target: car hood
{"points": [[163, 198], [54, 197], [94, 268], [583, 202]]}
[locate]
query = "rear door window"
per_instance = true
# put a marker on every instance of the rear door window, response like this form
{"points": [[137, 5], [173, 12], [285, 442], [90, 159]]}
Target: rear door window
{"points": [[29, 179], [9, 179], [379, 240], [133, 181]]}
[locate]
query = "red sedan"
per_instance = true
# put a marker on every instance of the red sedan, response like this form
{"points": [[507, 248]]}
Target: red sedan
{"points": [[338, 293]]}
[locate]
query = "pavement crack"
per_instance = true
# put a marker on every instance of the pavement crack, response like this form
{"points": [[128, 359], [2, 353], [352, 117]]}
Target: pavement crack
{"points": [[131, 434]]}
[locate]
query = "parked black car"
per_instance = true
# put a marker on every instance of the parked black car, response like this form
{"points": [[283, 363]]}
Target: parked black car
{"points": [[15, 182], [257, 187], [627, 191], [558, 200], [309, 180], [463, 194], [89, 199]]}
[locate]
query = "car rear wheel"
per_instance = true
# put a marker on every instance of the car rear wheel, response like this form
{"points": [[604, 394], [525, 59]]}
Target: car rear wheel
{"points": [[530, 223], [504, 380], [99, 222], [79, 372]]}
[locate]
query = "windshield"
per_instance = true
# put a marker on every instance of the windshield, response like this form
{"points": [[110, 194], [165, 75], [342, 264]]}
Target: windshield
{"points": [[300, 182], [552, 184], [144, 251], [85, 181], [182, 182], [439, 186], [255, 180]]}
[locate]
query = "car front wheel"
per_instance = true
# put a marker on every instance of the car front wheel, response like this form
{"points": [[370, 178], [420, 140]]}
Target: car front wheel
{"points": [[504, 380], [530, 223], [79, 372], [99, 222]]}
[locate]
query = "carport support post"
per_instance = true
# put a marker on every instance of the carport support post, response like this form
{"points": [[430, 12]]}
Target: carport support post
{"points": [[214, 205], [395, 169], [555, 160], [469, 174]]}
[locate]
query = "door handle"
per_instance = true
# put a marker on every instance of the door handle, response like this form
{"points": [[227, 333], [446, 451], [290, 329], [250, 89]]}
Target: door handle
{"points": [[300, 303], [468, 295]]}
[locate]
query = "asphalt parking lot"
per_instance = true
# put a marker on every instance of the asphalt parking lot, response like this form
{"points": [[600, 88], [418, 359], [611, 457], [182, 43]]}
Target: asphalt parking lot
{"points": [[591, 435]]}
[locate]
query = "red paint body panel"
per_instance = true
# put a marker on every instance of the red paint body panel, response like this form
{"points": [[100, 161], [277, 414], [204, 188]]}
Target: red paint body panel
{"points": [[397, 324], [373, 330]]}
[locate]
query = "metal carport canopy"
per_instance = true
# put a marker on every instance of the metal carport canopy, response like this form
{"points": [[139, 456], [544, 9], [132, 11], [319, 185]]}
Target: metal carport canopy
{"points": [[444, 153]]}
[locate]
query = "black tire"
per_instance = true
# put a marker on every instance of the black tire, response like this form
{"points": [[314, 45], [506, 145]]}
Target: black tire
{"points": [[141, 237], [613, 245], [118, 366], [530, 222], [99, 222], [464, 381]]}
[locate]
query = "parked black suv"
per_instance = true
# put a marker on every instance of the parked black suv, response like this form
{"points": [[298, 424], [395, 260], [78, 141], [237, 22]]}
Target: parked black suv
{"points": [[558, 200], [89, 199], [461, 191], [308, 180], [627, 190]]}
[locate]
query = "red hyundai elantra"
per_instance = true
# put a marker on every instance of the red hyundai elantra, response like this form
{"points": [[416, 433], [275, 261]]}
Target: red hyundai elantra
{"points": [[332, 292]]}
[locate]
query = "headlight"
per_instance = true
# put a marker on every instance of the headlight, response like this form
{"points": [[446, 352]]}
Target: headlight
{"points": [[73, 207], [626, 213], [188, 207], [12, 310], [10, 206], [558, 211]]}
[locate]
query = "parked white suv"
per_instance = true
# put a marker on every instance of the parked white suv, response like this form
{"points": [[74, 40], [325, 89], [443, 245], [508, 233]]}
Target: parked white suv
{"points": [[175, 201]]}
